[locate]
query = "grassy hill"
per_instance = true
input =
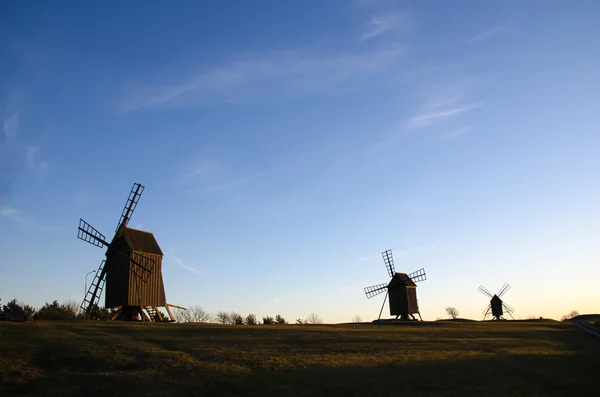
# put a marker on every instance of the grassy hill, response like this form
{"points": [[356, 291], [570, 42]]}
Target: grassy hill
{"points": [[425, 358]]}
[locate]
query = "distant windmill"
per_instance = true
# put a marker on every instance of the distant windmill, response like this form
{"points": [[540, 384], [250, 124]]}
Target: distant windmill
{"points": [[131, 271], [496, 306], [401, 290]]}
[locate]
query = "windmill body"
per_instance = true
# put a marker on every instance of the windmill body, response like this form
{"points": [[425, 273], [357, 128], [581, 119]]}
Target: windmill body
{"points": [[497, 306], [401, 290], [123, 287], [132, 271], [402, 293]]}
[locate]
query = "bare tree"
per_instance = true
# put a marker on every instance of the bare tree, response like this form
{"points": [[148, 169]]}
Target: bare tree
{"points": [[357, 319], [313, 318], [569, 316], [300, 321], [251, 319], [193, 314], [223, 317], [452, 312]]}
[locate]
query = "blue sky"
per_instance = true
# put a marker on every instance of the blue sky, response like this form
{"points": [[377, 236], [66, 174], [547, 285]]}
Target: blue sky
{"points": [[285, 145]]}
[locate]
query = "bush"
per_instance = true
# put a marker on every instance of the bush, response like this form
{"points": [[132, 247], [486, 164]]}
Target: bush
{"points": [[100, 314], [15, 311], [251, 319], [280, 320], [236, 319], [569, 316], [300, 321], [56, 311], [268, 320]]}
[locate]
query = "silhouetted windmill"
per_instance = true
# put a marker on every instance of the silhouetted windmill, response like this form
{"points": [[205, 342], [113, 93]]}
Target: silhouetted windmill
{"points": [[132, 269], [401, 290], [496, 306]]}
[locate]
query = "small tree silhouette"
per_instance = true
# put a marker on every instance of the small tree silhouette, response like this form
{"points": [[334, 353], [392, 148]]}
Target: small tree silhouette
{"points": [[236, 319], [569, 316], [280, 320], [251, 319], [268, 320], [223, 317], [452, 312], [357, 319], [313, 318]]}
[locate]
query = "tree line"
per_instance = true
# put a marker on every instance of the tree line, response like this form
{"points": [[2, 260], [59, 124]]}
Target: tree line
{"points": [[70, 310]]}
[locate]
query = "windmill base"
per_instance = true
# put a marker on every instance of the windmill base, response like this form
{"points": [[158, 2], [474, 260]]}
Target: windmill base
{"points": [[142, 313]]}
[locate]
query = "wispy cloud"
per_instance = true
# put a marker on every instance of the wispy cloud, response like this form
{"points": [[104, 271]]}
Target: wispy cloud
{"points": [[11, 125], [382, 24], [428, 118], [180, 263], [271, 76], [20, 217], [484, 35], [34, 162], [212, 176], [456, 133], [200, 169]]}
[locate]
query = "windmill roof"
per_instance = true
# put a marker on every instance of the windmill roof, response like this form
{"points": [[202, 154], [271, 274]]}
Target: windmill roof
{"points": [[403, 277], [141, 241]]}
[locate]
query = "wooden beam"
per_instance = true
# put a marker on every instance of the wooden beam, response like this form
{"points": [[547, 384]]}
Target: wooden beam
{"points": [[175, 306]]}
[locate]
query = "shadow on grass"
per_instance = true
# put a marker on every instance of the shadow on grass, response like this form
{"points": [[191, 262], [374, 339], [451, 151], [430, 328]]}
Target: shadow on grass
{"points": [[509, 375], [113, 359]]}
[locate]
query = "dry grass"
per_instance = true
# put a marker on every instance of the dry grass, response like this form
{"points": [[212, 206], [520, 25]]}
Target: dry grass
{"points": [[429, 358]]}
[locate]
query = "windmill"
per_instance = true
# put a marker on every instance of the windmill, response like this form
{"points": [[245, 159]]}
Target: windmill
{"points": [[496, 306], [401, 289], [131, 271]]}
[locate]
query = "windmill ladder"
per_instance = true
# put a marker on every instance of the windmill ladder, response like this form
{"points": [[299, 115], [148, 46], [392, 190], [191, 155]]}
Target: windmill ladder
{"points": [[589, 328]]}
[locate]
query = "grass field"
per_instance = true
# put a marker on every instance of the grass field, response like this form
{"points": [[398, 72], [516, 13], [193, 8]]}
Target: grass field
{"points": [[428, 358]]}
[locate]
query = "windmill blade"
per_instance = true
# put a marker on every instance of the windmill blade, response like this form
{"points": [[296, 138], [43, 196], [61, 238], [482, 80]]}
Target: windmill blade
{"points": [[503, 290], [375, 290], [484, 291], [130, 204], [89, 234], [418, 276], [507, 308], [486, 311], [389, 262]]}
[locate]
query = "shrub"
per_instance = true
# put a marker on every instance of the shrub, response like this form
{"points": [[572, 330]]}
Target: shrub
{"points": [[251, 319], [15, 311], [268, 320], [56, 311], [280, 320], [569, 316], [236, 319]]}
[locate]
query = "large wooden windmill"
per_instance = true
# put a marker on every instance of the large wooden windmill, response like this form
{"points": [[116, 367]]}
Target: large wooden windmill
{"points": [[132, 270], [401, 290], [496, 305]]}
